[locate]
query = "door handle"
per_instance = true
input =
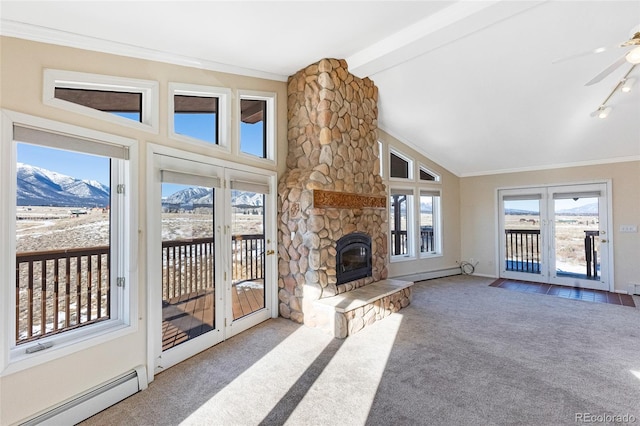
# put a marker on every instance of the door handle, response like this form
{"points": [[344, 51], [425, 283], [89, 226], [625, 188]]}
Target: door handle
{"points": [[603, 241], [269, 252]]}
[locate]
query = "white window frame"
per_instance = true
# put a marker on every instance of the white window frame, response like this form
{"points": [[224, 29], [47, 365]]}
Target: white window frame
{"points": [[411, 224], [77, 80], [436, 220], [224, 112], [381, 157], [410, 165], [270, 122], [438, 178], [124, 249]]}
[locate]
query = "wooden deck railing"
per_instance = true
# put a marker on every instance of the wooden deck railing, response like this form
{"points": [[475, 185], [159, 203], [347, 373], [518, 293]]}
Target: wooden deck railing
{"points": [[60, 289], [399, 241], [591, 254], [522, 250], [248, 257], [188, 265], [427, 243]]}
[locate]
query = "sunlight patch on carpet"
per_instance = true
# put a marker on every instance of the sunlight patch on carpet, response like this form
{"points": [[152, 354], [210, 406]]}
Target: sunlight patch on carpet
{"points": [[253, 393], [361, 360]]}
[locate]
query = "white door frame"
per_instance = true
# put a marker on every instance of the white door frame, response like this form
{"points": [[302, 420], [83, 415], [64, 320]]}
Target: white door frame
{"points": [[153, 242], [270, 310], [547, 234]]}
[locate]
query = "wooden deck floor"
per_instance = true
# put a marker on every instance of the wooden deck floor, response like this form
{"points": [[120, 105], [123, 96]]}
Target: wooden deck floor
{"points": [[193, 314]]}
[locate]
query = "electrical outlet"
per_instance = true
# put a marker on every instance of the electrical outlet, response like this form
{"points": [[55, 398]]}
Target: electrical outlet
{"points": [[628, 228]]}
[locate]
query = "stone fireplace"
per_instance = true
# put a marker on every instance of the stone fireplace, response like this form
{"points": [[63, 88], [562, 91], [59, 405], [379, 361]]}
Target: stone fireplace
{"points": [[332, 189]]}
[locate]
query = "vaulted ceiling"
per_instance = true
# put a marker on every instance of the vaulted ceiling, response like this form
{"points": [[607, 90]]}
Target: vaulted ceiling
{"points": [[472, 85]]}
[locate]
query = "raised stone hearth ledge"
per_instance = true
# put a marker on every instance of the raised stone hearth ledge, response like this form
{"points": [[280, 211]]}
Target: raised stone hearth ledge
{"points": [[348, 313]]}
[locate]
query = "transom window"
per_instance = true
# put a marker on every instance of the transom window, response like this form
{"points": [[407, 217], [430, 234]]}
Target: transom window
{"points": [[124, 101], [199, 114], [428, 175], [400, 166], [196, 116], [123, 104], [257, 125]]}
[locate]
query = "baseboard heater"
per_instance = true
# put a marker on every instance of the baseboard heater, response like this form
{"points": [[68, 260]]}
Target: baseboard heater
{"points": [[94, 401], [421, 276]]}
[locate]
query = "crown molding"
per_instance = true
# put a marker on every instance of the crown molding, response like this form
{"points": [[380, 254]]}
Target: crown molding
{"points": [[554, 166], [63, 38]]}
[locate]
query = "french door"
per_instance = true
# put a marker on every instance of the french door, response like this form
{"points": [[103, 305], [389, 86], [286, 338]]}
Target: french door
{"points": [[210, 263], [556, 234]]}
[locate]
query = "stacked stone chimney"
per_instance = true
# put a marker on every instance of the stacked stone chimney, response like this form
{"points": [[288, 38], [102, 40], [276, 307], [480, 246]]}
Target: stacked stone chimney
{"points": [[332, 186]]}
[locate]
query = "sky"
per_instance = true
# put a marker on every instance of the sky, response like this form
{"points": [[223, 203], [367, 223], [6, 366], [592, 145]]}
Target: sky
{"points": [[89, 167], [80, 166]]}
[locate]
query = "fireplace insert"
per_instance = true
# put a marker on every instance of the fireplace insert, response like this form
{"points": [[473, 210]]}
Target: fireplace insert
{"points": [[353, 257]]}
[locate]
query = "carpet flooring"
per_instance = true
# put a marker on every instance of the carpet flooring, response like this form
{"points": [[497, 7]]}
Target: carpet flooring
{"points": [[463, 353]]}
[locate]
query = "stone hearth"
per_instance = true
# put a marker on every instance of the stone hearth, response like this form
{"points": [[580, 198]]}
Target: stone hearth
{"points": [[332, 187]]}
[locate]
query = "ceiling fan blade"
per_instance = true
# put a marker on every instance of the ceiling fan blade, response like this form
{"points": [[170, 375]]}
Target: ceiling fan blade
{"points": [[611, 68], [590, 52]]}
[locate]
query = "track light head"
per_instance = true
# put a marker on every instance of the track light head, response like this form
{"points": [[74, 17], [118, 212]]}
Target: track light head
{"points": [[603, 112], [627, 84], [633, 56]]}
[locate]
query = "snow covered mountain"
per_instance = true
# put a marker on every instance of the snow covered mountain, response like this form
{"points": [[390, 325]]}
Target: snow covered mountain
{"points": [[41, 187], [586, 210], [189, 196], [204, 196]]}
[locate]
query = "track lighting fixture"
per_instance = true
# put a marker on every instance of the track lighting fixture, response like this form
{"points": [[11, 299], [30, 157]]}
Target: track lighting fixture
{"points": [[627, 84], [603, 112], [624, 85]]}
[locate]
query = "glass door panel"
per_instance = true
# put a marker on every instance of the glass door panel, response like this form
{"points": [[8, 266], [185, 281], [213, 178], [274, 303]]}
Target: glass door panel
{"points": [[579, 235], [576, 239], [185, 279], [188, 263], [247, 252], [251, 250], [521, 249]]}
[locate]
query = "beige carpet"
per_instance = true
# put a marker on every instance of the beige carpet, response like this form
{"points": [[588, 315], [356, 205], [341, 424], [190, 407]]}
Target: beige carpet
{"points": [[461, 353]]}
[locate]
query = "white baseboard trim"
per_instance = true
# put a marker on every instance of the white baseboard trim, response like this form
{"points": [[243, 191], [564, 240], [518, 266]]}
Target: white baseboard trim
{"points": [[485, 276], [93, 401], [428, 275]]}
